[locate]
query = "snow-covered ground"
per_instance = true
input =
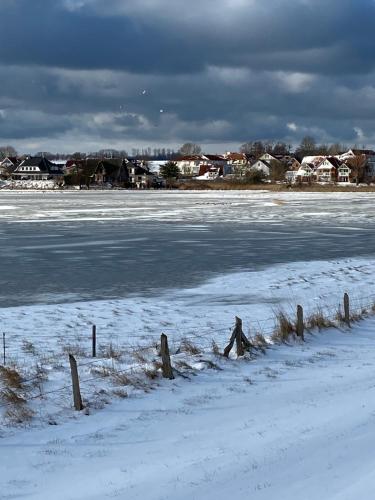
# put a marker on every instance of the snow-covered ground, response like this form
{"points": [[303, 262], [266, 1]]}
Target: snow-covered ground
{"points": [[295, 422], [23, 184], [39, 338]]}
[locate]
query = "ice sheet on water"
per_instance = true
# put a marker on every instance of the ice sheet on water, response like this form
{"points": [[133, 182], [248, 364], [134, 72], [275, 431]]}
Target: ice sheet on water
{"points": [[231, 206]]}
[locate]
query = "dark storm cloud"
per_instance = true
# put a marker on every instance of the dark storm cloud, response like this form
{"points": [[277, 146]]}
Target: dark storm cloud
{"points": [[319, 35], [124, 71]]}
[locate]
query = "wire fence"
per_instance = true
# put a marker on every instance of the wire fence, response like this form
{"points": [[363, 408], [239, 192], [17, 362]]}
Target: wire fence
{"points": [[135, 346]]}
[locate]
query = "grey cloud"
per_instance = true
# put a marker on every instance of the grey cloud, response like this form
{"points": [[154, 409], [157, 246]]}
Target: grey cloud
{"points": [[151, 37], [221, 72]]}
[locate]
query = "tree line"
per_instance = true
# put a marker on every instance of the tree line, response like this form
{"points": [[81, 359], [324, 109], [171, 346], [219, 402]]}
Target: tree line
{"points": [[189, 148], [307, 147]]}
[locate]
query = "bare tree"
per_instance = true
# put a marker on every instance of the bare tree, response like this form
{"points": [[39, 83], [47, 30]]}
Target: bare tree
{"points": [[78, 156], [335, 149], [280, 148], [322, 149], [307, 147], [246, 148], [358, 167], [190, 148], [258, 149], [278, 170], [6, 151], [108, 153]]}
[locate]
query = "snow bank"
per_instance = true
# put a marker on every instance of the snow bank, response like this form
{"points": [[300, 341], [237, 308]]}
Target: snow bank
{"points": [[296, 423], [48, 184], [43, 335]]}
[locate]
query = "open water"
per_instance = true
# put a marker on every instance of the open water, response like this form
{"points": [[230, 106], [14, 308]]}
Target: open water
{"points": [[68, 246]]}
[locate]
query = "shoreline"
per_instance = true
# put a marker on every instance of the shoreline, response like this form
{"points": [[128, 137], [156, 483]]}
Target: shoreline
{"points": [[238, 186], [210, 186]]}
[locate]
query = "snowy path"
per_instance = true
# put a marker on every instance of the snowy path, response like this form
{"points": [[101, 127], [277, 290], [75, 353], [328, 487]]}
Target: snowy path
{"points": [[298, 423]]}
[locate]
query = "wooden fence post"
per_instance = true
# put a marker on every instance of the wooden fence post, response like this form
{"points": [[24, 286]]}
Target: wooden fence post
{"points": [[346, 309], [75, 383], [300, 323], [238, 329], [4, 357], [165, 357], [94, 341], [240, 338], [231, 342]]}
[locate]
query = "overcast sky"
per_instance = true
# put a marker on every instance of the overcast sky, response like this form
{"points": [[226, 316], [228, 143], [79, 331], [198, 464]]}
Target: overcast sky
{"points": [[78, 75]]}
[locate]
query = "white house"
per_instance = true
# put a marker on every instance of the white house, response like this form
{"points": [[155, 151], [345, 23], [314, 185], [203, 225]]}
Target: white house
{"points": [[37, 168], [140, 177], [262, 166], [189, 165], [236, 159], [217, 161], [237, 164], [343, 173], [326, 171], [268, 158], [304, 173], [211, 174]]}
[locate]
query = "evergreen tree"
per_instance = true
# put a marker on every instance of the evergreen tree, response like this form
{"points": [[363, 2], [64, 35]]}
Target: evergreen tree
{"points": [[170, 170]]}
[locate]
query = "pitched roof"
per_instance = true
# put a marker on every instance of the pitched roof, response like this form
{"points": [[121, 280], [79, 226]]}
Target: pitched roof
{"points": [[11, 159], [368, 152], [314, 160], [190, 158], [37, 161], [235, 156], [139, 170], [214, 157], [264, 162], [89, 166], [335, 161], [111, 166]]}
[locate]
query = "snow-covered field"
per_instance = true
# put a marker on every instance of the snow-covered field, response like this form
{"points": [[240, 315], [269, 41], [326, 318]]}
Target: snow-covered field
{"points": [[295, 422], [259, 427]]}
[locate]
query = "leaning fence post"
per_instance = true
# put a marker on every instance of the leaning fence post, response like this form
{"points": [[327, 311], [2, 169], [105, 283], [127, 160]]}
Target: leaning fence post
{"points": [[94, 341], [231, 342], [238, 327], [240, 338], [346, 309], [75, 383], [300, 323], [165, 357]]}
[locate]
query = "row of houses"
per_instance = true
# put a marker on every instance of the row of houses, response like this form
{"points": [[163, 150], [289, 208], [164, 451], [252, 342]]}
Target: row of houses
{"points": [[125, 172], [353, 165]]}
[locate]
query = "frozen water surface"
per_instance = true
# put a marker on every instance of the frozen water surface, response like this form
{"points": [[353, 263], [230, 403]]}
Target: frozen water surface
{"points": [[69, 246]]}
